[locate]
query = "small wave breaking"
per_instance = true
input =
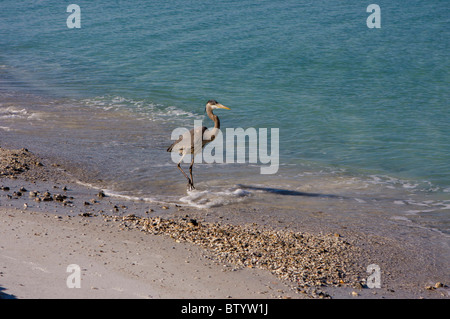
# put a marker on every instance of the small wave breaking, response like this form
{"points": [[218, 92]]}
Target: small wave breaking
{"points": [[209, 198]]}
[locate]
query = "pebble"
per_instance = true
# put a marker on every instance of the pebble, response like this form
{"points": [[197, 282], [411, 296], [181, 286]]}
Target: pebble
{"points": [[192, 222], [47, 198], [59, 197], [85, 214], [309, 261], [438, 285]]}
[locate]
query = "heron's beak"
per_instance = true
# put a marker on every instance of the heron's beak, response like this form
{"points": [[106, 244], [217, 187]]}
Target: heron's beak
{"points": [[222, 106]]}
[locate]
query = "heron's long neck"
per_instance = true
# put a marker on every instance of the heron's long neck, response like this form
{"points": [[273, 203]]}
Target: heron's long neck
{"points": [[215, 118]]}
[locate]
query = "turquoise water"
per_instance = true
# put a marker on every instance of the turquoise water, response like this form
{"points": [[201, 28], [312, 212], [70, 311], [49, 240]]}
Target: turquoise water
{"points": [[372, 103], [342, 94]]}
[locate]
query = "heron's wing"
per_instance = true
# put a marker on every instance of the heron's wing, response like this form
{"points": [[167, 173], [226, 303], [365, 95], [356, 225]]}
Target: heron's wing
{"points": [[209, 135], [175, 143], [183, 142], [197, 139], [193, 141]]}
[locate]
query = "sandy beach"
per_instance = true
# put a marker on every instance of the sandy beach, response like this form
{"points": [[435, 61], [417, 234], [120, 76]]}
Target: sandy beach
{"points": [[325, 163], [132, 249]]}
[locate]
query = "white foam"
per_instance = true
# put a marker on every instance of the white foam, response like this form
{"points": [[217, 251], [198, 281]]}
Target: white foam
{"points": [[111, 193], [133, 198], [11, 112], [409, 185], [150, 111], [391, 182], [208, 198], [417, 211], [241, 192], [11, 109], [18, 113], [403, 218], [86, 184], [35, 116]]}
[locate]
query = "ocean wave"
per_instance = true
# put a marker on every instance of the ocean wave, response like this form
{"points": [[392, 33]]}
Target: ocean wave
{"points": [[132, 198], [12, 112], [116, 194], [144, 109], [344, 179], [426, 206], [209, 198]]}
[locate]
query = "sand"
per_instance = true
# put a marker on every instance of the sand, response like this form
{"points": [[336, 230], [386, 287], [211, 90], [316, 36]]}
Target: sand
{"points": [[37, 248], [48, 221]]}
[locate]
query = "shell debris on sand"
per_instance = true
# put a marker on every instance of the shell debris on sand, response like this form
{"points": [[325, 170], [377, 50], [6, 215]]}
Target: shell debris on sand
{"points": [[23, 163], [14, 162], [308, 261]]}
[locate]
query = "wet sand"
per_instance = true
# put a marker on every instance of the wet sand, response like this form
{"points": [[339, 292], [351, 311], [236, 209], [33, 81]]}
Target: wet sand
{"points": [[133, 249]]}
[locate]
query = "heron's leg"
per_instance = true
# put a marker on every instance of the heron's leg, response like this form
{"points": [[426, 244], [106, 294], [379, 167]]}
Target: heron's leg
{"points": [[185, 175], [190, 172]]}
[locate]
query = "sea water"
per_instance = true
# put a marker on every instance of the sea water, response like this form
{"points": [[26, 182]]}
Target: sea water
{"points": [[363, 113]]}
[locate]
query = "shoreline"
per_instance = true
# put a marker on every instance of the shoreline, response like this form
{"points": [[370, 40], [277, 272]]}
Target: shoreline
{"points": [[83, 140], [411, 265], [115, 263]]}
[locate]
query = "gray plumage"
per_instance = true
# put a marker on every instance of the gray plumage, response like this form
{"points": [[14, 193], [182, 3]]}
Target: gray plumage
{"points": [[192, 142]]}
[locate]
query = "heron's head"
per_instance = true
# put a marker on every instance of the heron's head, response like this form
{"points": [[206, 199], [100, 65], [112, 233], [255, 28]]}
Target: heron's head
{"points": [[213, 104]]}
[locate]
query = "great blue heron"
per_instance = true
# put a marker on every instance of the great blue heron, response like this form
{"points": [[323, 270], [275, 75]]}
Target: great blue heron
{"points": [[192, 142]]}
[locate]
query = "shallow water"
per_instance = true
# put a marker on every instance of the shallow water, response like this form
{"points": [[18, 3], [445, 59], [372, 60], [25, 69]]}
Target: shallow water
{"points": [[363, 113], [125, 154]]}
